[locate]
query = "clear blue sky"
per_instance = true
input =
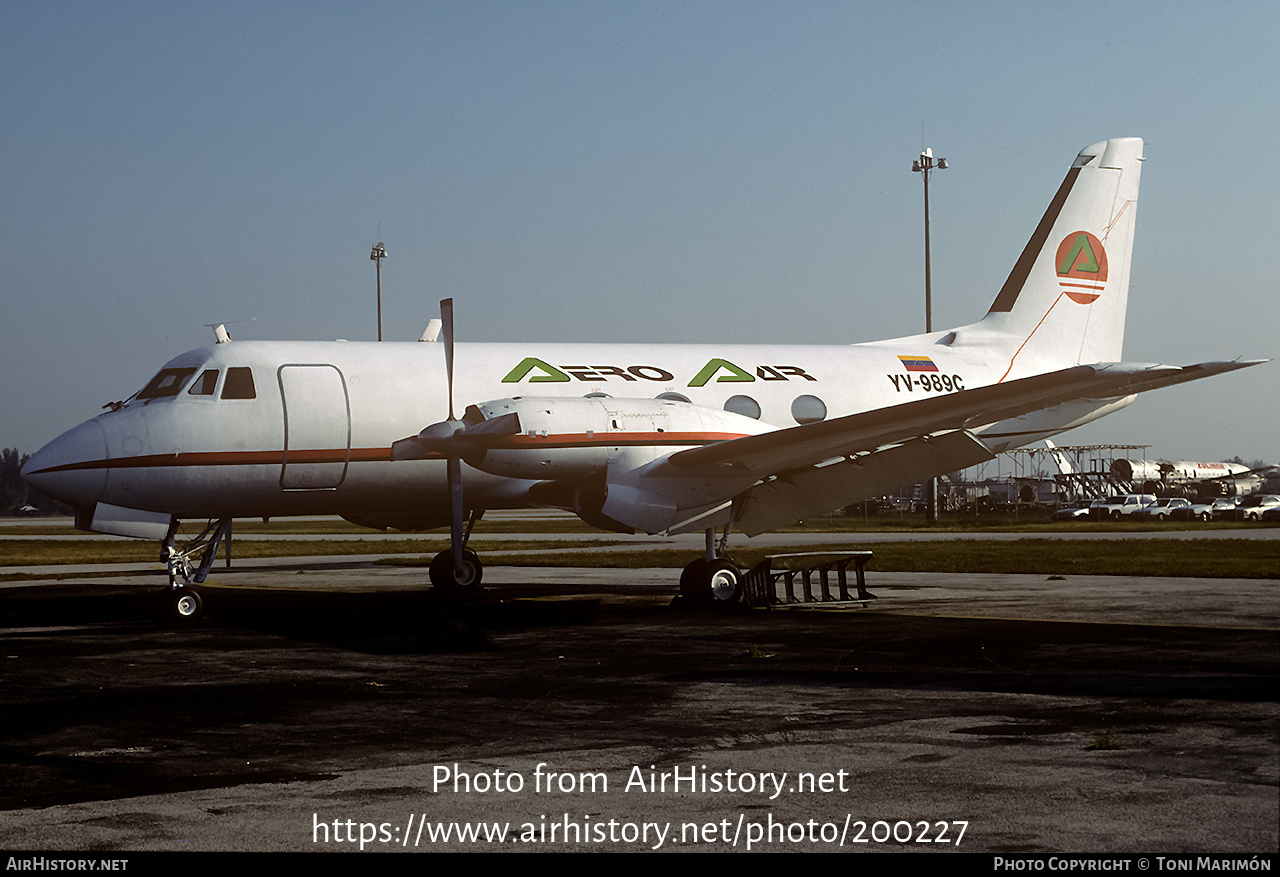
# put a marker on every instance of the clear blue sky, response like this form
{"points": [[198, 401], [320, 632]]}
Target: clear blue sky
{"points": [[650, 171]]}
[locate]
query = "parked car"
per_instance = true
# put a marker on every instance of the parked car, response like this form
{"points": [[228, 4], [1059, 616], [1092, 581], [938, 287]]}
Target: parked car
{"points": [[1252, 507], [1221, 507], [1164, 508], [1122, 504], [1073, 510]]}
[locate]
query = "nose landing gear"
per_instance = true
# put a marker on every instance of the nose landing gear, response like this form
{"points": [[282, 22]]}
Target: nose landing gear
{"points": [[184, 602]]}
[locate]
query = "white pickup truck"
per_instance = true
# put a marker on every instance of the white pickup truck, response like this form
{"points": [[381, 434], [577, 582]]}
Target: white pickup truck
{"points": [[1122, 504]]}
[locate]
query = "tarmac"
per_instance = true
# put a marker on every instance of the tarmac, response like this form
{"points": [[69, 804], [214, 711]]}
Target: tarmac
{"points": [[329, 704]]}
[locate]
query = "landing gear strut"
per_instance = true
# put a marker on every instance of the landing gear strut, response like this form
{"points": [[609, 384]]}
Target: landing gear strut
{"points": [[184, 603]]}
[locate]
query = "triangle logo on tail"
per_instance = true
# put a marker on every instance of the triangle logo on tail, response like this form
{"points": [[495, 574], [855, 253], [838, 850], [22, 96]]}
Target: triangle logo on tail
{"points": [[1081, 264]]}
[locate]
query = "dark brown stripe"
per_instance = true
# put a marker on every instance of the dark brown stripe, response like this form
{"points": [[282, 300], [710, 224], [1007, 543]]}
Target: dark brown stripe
{"points": [[365, 455]]}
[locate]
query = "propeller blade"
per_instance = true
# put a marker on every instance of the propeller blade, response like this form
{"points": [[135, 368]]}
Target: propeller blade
{"points": [[446, 321], [449, 433]]}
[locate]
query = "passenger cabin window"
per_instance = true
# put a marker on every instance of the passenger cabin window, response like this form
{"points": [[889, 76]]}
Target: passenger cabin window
{"points": [[744, 405], [808, 409], [239, 384], [166, 384], [204, 385]]}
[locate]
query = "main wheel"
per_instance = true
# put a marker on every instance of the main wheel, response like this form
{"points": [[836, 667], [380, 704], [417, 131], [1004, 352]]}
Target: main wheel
{"points": [[724, 581], [185, 605], [717, 582], [444, 576]]}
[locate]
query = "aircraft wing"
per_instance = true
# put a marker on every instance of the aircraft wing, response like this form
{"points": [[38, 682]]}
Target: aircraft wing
{"points": [[810, 469], [784, 449]]}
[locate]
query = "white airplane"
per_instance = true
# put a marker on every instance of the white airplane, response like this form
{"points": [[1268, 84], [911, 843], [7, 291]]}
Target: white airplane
{"points": [[1190, 478], [654, 438]]}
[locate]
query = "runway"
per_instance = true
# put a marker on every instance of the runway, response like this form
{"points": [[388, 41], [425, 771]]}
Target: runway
{"points": [[330, 704]]}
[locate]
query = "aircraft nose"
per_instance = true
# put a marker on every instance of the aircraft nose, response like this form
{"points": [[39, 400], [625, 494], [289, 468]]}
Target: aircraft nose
{"points": [[71, 468]]}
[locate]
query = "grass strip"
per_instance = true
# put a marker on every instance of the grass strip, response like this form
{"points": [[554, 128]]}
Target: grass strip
{"points": [[39, 552]]}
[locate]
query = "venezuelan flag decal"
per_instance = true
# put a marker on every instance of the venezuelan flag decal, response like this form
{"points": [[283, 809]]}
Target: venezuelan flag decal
{"points": [[918, 364], [1082, 267]]}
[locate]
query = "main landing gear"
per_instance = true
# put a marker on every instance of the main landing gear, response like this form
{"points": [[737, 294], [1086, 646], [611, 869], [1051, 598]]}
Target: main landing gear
{"points": [[712, 580], [182, 601]]}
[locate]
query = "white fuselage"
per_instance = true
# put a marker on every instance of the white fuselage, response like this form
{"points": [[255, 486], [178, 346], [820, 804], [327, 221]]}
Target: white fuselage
{"points": [[316, 437]]}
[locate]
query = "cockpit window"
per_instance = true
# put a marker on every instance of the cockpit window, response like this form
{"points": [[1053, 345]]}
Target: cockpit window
{"points": [[168, 383], [239, 384], [203, 385]]}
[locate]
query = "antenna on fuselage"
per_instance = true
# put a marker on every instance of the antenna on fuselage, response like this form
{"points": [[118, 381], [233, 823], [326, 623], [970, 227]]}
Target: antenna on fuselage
{"points": [[432, 332], [220, 332]]}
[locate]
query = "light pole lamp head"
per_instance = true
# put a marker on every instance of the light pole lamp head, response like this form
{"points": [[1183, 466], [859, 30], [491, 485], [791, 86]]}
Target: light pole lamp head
{"points": [[926, 162], [379, 252]]}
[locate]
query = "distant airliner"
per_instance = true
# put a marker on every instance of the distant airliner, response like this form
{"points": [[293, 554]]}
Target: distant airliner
{"points": [[1189, 478]]}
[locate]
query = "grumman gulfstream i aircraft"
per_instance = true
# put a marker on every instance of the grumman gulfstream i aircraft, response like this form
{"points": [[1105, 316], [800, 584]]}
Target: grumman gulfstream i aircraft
{"points": [[653, 438]]}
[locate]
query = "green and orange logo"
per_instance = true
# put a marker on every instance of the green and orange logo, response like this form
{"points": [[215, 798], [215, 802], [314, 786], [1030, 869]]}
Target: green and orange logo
{"points": [[1082, 267]]}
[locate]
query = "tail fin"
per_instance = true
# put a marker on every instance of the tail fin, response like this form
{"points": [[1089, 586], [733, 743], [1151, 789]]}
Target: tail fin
{"points": [[1064, 465], [1064, 302]]}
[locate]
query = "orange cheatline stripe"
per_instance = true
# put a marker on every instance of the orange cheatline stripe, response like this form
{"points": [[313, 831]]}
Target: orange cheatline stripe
{"points": [[1028, 338]]}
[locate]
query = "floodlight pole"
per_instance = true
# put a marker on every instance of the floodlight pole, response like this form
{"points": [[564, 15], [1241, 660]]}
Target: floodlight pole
{"points": [[379, 253], [923, 166]]}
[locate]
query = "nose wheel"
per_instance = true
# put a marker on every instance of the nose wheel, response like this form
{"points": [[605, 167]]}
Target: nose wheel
{"points": [[185, 605]]}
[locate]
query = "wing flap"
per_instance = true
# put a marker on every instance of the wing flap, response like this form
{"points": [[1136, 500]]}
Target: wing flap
{"points": [[787, 499]]}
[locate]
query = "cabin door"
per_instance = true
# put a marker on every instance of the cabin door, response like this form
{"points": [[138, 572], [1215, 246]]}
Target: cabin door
{"points": [[317, 427]]}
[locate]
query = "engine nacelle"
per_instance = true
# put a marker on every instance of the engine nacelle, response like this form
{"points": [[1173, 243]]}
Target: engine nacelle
{"points": [[573, 438]]}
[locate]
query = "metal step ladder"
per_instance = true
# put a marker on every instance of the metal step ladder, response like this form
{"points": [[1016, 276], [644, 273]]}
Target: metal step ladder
{"points": [[761, 585]]}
